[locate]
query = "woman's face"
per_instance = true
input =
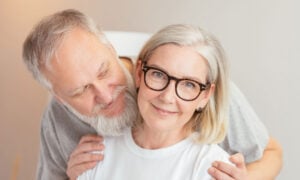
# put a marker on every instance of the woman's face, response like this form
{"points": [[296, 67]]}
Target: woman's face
{"points": [[164, 110]]}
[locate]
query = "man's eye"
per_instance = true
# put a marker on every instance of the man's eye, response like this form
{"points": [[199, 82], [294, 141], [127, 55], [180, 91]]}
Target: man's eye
{"points": [[81, 91]]}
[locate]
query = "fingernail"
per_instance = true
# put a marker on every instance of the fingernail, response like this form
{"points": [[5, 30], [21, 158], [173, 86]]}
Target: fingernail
{"points": [[215, 164]]}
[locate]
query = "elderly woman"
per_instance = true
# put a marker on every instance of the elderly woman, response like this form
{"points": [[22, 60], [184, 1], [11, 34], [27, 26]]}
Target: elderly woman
{"points": [[182, 82]]}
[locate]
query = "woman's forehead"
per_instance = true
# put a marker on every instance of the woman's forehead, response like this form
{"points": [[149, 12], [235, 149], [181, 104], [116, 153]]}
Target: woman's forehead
{"points": [[179, 60]]}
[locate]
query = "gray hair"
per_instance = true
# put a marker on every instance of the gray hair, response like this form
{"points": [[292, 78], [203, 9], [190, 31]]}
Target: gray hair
{"points": [[41, 44], [212, 122]]}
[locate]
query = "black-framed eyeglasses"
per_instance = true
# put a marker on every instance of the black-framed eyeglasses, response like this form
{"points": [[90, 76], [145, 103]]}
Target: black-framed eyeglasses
{"points": [[158, 80]]}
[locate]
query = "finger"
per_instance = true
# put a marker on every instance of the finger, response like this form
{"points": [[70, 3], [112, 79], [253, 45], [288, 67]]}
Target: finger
{"points": [[218, 175], [84, 159], [87, 147], [225, 168], [91, 138], [238, 160], [75, 171]]}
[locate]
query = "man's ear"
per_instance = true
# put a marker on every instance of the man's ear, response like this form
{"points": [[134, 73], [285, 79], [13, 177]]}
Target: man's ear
{"points": [[138, 73], [206, 95]]}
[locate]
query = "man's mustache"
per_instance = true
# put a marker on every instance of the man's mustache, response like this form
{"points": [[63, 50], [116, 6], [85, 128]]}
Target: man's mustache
{"points": [[116, 93]]}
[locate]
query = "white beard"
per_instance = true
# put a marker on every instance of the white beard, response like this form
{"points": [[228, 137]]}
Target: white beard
{"points": [[113, 126]]}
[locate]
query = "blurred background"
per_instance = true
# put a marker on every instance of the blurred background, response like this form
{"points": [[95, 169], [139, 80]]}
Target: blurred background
{"points": [[261, 39]]}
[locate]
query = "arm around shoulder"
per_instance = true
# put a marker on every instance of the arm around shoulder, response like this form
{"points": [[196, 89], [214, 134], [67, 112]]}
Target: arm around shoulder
{"points": [[246, 133], [272, 158]]}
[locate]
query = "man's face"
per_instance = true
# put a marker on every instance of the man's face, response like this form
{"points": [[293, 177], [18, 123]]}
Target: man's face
{"points": [[86, 75]]}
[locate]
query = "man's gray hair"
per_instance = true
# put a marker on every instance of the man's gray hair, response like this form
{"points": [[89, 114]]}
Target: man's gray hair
{"points": [[42, 43]]}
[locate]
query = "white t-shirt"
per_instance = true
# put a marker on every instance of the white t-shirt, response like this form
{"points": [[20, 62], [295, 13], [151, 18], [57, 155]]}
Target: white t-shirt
{"points": [[124, 160]]}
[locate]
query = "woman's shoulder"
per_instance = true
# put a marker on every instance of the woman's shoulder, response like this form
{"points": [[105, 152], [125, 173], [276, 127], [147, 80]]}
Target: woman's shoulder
{"points": [[213, 152]]}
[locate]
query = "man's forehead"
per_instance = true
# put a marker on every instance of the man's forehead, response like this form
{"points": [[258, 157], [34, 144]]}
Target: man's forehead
{"points": [[80, 48], [80, 58]]}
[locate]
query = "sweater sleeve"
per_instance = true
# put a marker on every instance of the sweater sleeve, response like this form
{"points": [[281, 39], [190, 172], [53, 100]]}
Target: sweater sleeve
{"points": [[51, 162], [246, 133], [61, 131]]}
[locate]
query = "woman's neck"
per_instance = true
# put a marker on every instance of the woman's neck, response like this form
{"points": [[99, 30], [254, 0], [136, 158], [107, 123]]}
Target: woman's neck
{"points": [[154, 139]]}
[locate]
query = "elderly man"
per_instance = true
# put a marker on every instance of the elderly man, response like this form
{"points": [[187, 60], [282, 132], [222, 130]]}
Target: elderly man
{"points": [[93, 93]]}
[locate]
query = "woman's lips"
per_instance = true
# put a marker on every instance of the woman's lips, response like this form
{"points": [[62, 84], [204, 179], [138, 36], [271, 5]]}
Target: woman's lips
{"points": [[164, 111]]}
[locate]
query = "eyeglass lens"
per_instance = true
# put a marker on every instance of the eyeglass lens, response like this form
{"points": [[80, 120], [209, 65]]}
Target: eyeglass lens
{"points": [[158, 80]]}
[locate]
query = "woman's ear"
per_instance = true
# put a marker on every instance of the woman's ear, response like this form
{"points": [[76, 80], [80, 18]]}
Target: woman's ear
{"points": [[206, 96], [138, 73]]}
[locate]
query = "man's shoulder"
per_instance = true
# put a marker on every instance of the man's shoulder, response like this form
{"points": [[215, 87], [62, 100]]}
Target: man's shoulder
{"points": [[55, 107], [51, 108], [57, 117]]}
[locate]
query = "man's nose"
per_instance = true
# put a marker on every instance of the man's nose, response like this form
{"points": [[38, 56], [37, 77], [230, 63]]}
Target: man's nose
{"points": [[103, 93]]}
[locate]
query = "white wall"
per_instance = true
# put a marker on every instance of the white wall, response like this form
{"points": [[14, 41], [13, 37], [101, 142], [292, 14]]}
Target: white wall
{"points": [[261, 40]]}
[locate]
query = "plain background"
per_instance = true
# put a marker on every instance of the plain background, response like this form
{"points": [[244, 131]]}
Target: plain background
{"points": [[261, 39]]}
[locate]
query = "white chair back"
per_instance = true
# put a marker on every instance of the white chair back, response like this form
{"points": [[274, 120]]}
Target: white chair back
{"points": [[127, 43]]}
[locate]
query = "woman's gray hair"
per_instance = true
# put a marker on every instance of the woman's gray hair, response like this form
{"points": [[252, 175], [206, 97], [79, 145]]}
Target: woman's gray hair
{"points": [[41, 44], [212, 122]]}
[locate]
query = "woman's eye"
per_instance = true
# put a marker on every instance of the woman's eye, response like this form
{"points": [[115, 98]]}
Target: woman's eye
{"points": [[190, 84], [157, 74]]}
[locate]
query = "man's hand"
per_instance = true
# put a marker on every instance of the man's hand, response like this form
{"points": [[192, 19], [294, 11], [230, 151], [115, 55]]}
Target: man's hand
{"points": [[82, 157], [224, 171]]}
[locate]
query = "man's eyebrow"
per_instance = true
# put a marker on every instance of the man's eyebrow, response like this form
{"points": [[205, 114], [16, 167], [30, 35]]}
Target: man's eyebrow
{"points": [[103, 67], [76, 91]]}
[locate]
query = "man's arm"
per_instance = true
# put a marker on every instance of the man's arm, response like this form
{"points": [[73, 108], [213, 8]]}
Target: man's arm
{"points": [[269, 166], [50, 165], [272, 159], [248, 136]]}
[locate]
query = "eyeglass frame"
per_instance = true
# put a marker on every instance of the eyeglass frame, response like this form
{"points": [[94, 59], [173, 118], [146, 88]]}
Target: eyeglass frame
{"points": [[146, 68]]}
